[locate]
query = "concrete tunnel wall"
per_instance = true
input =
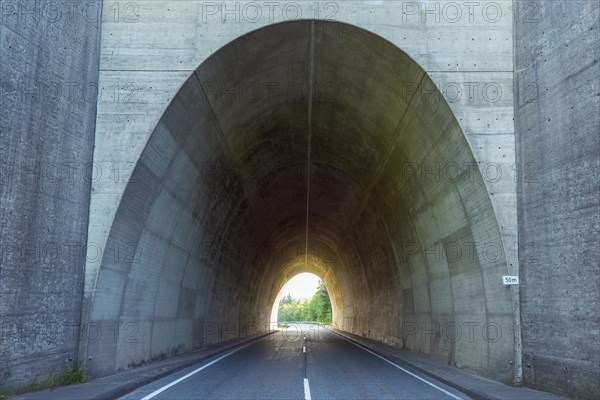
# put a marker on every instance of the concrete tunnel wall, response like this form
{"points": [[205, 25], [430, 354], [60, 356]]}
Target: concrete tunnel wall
{"points": [[557, 132], [232, 197], [48, 79]]}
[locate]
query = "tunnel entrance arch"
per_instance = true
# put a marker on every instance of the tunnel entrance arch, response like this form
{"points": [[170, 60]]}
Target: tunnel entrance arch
{"points": [[325, 138]]}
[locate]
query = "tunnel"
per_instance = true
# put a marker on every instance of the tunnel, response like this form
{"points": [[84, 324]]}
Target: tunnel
{"points": [[305, 146]]}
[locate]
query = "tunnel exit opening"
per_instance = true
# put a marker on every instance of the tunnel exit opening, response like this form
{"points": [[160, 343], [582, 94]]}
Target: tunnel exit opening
{"points": [[303, 298]]}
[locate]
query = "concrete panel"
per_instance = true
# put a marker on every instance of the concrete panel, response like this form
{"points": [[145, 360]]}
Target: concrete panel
{"points": [[48, 85], [557, 123], [133, 346]]}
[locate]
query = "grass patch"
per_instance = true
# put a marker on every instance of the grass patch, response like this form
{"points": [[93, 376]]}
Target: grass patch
{"points": [[70, 376], [4, 396], [75, 374]]}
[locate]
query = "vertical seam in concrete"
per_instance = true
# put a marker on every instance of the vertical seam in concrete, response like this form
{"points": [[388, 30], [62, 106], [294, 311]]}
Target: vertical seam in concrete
{"points": [[395, 139], [383, 163], [212, 111], [310, 103], [515, 289], [215, 276], [86, 304], [481, 278], [226, 142]]}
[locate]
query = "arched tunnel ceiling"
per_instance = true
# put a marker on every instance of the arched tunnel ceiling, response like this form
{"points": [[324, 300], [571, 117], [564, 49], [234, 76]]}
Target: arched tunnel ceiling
{"points": [[306, 147]]}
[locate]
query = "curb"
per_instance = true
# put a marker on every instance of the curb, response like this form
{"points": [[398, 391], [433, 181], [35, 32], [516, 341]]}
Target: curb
{"points": [[129, 384]]}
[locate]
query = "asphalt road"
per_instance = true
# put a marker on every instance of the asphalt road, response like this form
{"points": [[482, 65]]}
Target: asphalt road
{"points": [[301, 362]]}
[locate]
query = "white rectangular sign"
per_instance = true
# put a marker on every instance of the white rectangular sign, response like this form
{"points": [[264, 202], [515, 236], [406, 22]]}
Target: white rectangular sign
{"points": [[510, 279]]}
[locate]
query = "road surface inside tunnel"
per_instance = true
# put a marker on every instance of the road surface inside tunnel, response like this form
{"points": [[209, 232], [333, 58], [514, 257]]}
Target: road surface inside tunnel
{"points": [[299, 362]]}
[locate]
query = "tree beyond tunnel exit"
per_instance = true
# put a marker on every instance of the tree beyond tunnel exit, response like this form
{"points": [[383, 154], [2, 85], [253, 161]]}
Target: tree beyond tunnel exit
{"points": [[317, 309]]}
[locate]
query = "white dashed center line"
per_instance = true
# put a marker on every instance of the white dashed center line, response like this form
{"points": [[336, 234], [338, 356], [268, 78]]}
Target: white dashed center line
{"points": [[306, 390]]}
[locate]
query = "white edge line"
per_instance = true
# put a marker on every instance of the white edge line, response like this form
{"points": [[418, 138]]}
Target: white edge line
{"points": [[406, 371], [306, 390], [175, 382]]}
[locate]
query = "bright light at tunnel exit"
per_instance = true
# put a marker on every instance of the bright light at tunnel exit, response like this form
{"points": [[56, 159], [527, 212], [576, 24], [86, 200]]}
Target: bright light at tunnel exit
{"points": [[301, 286]]}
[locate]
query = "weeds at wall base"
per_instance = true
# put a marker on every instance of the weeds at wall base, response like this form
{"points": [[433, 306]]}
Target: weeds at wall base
{"points": [[73, 375]]}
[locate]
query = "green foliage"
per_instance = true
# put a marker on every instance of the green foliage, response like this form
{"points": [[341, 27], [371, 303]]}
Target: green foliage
{"points": [[77, 373], [71, 376], [6, 375], [317, 309]]}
